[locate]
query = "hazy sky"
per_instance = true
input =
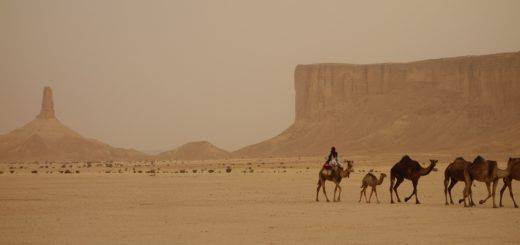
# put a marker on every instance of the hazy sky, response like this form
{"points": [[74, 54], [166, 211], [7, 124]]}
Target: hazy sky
{"points": [[153, 75]]}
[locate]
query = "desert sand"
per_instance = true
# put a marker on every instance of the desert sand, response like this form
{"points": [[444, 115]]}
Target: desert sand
{"points": [[262, 201]]}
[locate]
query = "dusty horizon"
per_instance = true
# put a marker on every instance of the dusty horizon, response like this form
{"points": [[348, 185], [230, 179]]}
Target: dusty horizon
{"points": [[150, 76]]}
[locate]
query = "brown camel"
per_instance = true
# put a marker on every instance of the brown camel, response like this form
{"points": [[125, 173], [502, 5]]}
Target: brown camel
{"points": [[453, 174], [336, 176], [513, 169], [409, 169], [372, 181], [482, 170]]}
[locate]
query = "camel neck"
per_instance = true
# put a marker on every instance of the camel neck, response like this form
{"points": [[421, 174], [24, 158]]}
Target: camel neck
{"points": [[425, 171]]}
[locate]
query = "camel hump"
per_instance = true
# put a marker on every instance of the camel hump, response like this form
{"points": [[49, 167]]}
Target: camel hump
{"points": [[478, 159], [460, 158], [406, 158]]}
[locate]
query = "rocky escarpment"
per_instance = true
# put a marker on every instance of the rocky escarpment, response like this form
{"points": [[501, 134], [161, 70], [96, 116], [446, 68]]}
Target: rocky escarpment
{"points": [[46, 138], [456, 105]]}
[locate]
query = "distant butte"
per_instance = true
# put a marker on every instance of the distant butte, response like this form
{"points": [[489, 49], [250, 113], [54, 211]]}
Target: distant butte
{"points": [[46, 138]]}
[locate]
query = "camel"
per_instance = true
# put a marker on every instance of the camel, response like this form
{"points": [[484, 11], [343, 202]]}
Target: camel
{"points": [[482, 170], [336, 176], [372, 181], [453, 174], [409, 169], [513, 169]]}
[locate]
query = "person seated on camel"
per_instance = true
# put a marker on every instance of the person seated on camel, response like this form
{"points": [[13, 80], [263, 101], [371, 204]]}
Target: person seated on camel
{"points": [[332, 162]]}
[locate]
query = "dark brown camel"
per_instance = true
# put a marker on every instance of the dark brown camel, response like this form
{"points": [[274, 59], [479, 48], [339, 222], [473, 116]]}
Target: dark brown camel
{"points": [[336, 176], [482, 170], [513, 169], [453, 174], [409, 169]]}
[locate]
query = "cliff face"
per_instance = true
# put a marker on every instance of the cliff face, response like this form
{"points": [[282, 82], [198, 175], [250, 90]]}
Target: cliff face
{"points": [[463, 104]]}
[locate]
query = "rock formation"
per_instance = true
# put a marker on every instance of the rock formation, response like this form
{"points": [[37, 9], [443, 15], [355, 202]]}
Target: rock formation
{"points": [[453, 105], [46, 138], [47, 110], [199, 150]]}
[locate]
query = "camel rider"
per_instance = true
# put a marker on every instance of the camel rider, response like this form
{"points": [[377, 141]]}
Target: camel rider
{"points": [[333, 159]]}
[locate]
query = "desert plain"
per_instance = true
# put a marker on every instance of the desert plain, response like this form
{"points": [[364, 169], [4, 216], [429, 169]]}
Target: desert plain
{"points": [[260, 201]]}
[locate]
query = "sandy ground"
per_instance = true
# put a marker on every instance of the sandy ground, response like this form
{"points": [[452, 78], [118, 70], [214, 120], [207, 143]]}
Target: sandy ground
{"points": [[266, 206]]}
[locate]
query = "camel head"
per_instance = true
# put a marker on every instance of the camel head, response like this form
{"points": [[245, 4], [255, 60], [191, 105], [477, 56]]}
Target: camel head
{"points": [[433, 162], [350, 168]]}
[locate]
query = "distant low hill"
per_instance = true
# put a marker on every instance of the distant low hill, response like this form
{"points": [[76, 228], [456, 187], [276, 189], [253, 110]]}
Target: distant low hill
{"points": [[199, 150], [46, 138]]}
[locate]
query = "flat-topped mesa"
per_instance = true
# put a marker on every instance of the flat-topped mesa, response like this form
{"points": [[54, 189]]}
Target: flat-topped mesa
{"points": [[461, 104], [47, 110]]}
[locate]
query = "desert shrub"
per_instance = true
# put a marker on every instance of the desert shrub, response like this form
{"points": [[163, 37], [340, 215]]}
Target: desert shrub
{"points": [[12, 171], [77, 171], [228, 169], [182, 171], [34, 171], [68, 171], [108, 171], [109, 165], [211, 171], [194, 171], [140, 171], [251, 170]]}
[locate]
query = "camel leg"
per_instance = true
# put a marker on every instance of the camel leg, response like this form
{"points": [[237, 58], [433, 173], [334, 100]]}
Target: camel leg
{"points": [[446, 180], [318, 190], [339, 192], [399, 181], [377, 198], [502, 191], [371, 192], [488, 185], [495, 184], [324, 191], [452, 184], [471, 203], [416, 197], [361, 193], [510, 185], [467, 193], [335, 189], [392, 179], [365, 194], [414, 192]]}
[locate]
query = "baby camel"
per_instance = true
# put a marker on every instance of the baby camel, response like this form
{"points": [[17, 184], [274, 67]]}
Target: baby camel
{"points": [[372, 181]]}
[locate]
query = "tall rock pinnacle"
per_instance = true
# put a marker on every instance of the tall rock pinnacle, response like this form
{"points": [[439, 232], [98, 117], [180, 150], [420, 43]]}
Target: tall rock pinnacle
{"points": [[47, 111]]}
